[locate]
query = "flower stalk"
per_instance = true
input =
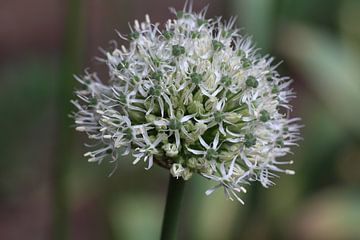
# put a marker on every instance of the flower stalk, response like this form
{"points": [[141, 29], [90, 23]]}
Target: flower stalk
{"points": [[172, 209], [70, 63]]}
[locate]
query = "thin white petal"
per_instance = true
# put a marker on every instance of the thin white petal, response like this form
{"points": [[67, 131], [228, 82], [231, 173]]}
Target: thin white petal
{"points": [[203, 143]]}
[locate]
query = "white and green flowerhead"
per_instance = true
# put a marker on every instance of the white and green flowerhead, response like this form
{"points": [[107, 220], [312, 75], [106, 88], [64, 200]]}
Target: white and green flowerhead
{"points": [[192, 96]]}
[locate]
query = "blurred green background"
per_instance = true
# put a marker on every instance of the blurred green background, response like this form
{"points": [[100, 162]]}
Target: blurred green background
{"points": [[49, 191]]}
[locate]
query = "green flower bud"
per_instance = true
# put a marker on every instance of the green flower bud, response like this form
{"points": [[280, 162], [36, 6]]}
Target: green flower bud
{"points": [[92, 101], [198, 96], [194, 132], [192, 163], [152, 138], [211, 154], [156, 75], [178, 50], [280, 142], [226, 155], [225, 34], [134, 35], [217, 45], [168, 34], [204, 166], [186, 174], [150, 118], [136, 116], [175, 124], [240, 53], [195, 107], [195, 35], [246, 63], [196, 78], [180, 112], [122, 65], [275, 89], [175, 101], [128, 134], [189, 126], [135, 79], [180, 159], [250, 140], [156, 108], [226, 80], [233, 117], [210, 104], [252, 82], [156, 61], [201, 22], [218, 117], [155, 91], [264, 116], [200, 128]]}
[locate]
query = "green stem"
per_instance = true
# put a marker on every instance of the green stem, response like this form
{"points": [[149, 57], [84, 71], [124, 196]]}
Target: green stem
{"points": [[69, 64], [172, 208]]}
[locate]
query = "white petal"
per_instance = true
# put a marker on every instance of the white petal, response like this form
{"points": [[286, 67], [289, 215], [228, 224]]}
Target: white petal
{"points": [[150, 162], [211, 190], [161, 104], [216, 141], [186, 118], [203, 143], [196, 152]]}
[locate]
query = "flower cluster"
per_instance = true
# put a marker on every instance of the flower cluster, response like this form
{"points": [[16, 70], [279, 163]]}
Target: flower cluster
{"points": [[193, 96]]}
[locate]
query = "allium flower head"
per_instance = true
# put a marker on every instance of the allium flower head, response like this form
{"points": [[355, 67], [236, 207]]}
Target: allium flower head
{"points": [[193, 96]]}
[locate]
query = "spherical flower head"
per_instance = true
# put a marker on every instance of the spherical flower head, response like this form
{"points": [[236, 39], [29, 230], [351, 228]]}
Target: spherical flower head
{"points": [[194, 97]]}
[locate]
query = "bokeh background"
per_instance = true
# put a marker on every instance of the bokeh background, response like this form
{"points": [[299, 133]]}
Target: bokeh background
{"points": [[49, 191]]}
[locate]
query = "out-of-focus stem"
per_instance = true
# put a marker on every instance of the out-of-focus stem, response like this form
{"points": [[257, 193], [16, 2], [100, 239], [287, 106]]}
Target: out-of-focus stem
{"points": [[69, 64]]}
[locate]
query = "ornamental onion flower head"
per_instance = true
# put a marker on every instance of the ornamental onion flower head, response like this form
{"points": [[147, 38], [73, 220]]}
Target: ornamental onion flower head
{"points": [[193, 96]]}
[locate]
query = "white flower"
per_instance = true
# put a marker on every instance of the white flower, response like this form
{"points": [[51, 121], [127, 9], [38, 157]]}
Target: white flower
{"points": [[193, 97]]}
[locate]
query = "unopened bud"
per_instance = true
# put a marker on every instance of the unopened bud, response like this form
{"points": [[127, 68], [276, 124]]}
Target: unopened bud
{"points": [[170, 149]]}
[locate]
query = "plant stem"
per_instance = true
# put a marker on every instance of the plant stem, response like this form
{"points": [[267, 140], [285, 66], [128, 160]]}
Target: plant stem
{"points": [[172, 208], [69, 64]]}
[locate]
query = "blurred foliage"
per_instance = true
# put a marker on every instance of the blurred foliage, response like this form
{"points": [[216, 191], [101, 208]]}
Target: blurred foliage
{"points": [[319, 42], [26, 98]]}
